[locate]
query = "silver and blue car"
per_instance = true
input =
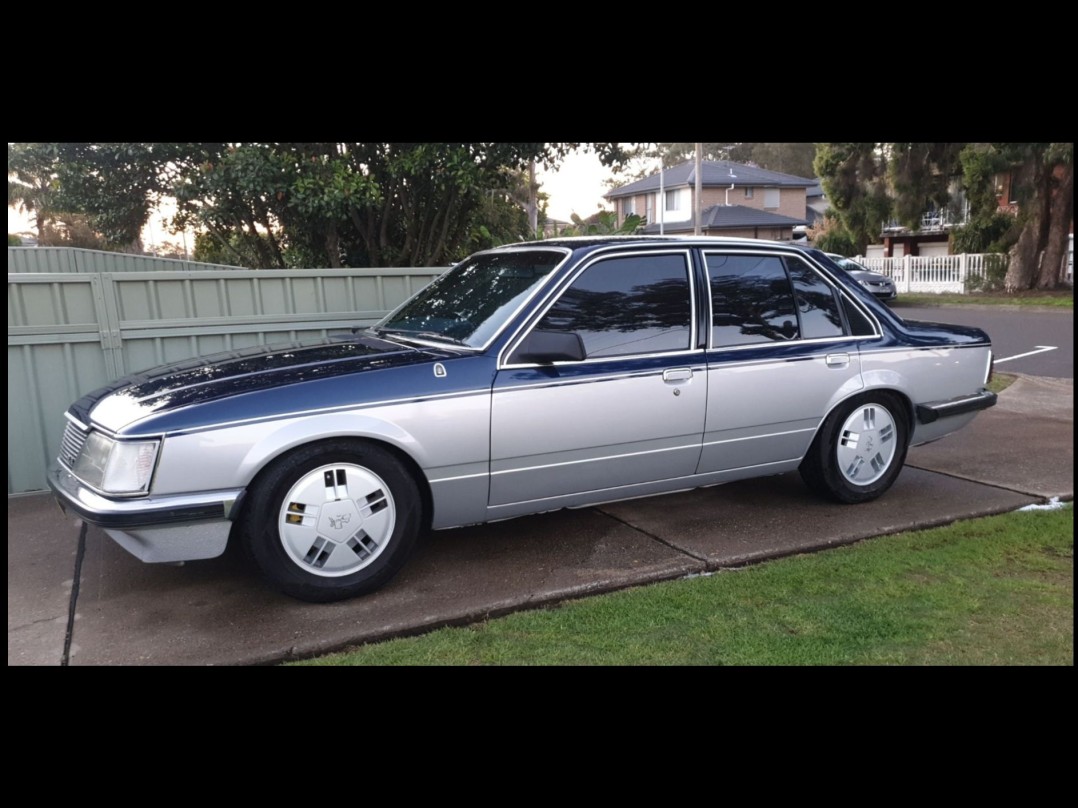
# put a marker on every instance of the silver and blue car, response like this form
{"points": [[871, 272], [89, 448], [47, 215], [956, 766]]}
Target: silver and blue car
{"points": [[527, 378]]}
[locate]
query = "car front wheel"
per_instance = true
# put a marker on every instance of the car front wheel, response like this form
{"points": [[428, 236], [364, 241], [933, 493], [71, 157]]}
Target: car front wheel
{"points": [[333, 520], [859, 450]]}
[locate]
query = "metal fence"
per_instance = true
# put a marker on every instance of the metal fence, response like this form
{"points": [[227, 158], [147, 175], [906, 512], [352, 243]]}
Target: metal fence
{"points": [[74, 325], [937, 273]]}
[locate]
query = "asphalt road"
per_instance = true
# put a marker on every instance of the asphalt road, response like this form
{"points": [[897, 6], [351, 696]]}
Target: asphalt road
{"points": [[1018, 335]]}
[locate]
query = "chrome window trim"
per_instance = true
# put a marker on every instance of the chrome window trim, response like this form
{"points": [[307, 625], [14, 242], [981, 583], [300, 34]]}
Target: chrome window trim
{"points": [[813, 341], [812, 265], [555, 294], [530, 247], [610, 377], [601, 359]]}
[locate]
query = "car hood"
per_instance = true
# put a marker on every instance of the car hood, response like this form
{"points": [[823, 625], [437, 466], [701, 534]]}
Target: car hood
{"points": [[865, 275], [249, 383]]}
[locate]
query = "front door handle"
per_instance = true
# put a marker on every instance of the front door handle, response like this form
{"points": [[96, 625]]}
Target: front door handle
{"points": [[677, 374], [838, 360]]}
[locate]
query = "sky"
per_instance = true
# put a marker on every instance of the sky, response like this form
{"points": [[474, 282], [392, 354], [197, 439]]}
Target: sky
{"points": [[576, 187]]}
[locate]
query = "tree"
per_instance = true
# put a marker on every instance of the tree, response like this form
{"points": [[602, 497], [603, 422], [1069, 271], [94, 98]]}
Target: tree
{"points": [[866, 183], [854, 177], [31, 182], [327, 204], [1044, 174], [604, 223]]}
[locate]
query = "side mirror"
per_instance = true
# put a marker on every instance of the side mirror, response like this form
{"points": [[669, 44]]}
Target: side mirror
{"points": [[544, 347]]}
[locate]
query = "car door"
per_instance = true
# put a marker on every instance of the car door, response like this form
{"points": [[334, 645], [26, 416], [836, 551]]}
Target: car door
{"points": [[782, 351], [630, 412]]}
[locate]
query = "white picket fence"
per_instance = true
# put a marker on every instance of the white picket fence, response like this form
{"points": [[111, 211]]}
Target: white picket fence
{"points": [[931, 273]]}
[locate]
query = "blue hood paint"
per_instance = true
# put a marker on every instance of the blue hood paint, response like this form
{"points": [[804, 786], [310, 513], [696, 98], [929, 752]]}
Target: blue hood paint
{"points": [[272, 381]]}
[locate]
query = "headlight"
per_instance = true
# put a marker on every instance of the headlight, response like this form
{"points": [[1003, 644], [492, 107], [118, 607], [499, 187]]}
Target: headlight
{"points": [[865, 284], [117, 467]]}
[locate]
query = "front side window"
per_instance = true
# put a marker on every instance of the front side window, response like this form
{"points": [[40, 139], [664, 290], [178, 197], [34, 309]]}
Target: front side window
{"points": [[627, 305]]}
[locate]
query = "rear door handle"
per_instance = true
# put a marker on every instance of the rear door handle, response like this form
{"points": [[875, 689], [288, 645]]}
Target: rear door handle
{"points": [[677, 374], [838, 360]]}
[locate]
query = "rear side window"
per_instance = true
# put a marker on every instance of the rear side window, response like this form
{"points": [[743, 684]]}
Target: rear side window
{"points": [[770, 298], [751, 300], [817, 305], [627, 305]]}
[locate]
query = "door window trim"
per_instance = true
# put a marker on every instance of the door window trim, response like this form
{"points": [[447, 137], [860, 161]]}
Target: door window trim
{"points": [[537, 317]]}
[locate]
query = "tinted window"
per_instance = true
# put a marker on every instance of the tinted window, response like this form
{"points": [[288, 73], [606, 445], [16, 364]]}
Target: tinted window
{"points": [[470, 302], [859, 324], [627, 306], [815, 300], [751, 300]]}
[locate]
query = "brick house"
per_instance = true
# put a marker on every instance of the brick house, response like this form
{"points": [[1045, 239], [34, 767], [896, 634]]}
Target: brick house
{"points": [[736, 200]]}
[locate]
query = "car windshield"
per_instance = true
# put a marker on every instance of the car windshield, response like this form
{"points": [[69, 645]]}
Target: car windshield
{"points": [[849, 265], [470, 303]]}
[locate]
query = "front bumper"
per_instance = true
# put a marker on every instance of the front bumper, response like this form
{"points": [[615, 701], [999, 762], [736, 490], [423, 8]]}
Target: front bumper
{"points": [[180, 527]]}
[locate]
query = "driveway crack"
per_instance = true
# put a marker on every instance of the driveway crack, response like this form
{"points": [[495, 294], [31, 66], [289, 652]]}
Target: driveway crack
{"points": [[654, 537], [66, 659]]}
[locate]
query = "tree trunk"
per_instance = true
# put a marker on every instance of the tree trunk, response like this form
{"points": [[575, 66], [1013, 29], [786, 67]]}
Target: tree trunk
{"points": [[333, 246], [1027, 253], [1037, 257], [1060, 212]]}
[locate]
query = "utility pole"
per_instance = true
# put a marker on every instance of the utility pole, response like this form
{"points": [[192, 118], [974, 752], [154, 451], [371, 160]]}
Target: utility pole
{"points": [[533, 205], [696, 201]]}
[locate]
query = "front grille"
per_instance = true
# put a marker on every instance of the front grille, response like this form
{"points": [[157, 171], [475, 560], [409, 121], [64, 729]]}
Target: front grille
{"points": [[71, 444]]}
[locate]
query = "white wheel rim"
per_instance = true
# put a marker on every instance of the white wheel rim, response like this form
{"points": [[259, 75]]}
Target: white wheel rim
{"points": [[336, 520], [866, 445]]}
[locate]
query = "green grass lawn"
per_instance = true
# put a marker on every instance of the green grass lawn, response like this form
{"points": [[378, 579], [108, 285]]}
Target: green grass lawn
{"points": [[991, 591], [1057, 299]]}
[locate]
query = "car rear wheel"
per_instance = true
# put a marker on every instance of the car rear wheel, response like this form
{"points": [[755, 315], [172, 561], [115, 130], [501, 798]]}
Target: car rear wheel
{"points": [[333, 520], [859, 450]]}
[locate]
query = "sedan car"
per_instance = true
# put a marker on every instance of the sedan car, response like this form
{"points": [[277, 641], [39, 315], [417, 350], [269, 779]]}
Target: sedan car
{"points": [[879, 285], [527, 378]]}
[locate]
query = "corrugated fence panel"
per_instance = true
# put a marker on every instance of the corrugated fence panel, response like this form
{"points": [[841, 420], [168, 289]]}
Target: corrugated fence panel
{"points": [[41, 259], [71, 331], [75, 259]]}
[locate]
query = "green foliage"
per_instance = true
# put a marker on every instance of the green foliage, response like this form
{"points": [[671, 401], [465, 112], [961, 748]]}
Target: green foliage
{"points": [[920, 176], [992, 233], [854, 177], [831, 236], [13, 240], [605, 223], [991, 279]]}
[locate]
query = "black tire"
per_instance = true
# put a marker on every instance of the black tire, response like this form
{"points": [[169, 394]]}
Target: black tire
{"points": [[851, 464], [333, 520]]}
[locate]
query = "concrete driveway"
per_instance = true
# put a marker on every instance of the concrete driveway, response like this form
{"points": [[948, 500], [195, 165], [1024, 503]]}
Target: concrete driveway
{"points": [[74, 597]]}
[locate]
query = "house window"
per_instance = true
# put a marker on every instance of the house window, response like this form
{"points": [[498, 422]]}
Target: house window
{"points": [[771, 197], [627, 206], [672, 200], [749, 193], [649, 207]]}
